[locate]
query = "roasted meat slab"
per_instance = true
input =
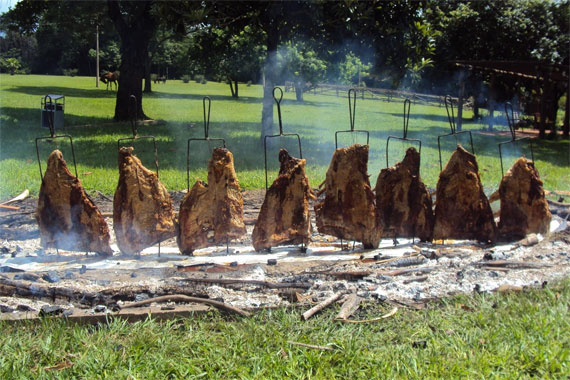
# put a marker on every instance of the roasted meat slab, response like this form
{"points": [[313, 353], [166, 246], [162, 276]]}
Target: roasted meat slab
{"points": [[284, 215], [403, 203], [462, 210], [143, 214], [211, 214], [67, 218], [523, 206], [348, 210]]}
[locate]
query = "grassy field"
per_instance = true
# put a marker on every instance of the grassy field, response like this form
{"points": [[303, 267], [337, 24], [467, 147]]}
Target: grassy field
{"points": [[482, 336], [88, 119]]}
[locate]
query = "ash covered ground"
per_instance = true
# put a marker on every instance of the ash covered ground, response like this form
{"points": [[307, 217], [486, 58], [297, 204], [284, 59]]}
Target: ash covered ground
{"points": [[409, 273]]}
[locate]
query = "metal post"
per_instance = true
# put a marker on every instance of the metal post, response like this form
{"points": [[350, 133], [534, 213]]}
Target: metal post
{"points": [[97, 49]]}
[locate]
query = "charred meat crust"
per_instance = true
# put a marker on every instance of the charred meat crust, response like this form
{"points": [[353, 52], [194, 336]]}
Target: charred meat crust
{"points": [[348, 210], [284, 215], [212, 214], [143, 214], [66, 216]]}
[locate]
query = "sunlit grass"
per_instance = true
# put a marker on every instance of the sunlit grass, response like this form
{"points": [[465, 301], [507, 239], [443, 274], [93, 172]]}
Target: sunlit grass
{"points": [[179, 107], [479, 336]]}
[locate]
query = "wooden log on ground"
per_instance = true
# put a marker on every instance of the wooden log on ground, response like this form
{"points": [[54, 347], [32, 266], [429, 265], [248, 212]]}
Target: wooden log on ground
{"points": [[312, 311], [349, 307], [231, 281], [183, 298]]}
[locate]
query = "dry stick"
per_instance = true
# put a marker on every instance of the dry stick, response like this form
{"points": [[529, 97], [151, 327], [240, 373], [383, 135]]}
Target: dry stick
{"points": [[230, 281], [309, 313], [399, 272], [310, 346], [415, 279], [9, 207], [391, 313], [348, 307], [513, 264], [183, 298]]}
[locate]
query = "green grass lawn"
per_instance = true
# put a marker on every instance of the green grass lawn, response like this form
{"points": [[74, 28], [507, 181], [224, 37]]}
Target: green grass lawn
{"points": [[481, 336], [88, 119]]}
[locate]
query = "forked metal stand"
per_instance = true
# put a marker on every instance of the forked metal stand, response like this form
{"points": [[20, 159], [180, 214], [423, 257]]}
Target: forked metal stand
{"points": [[52, 136], [454, 133], [407, 106], [352, 131], [513, 140], [133, 118], [207, 139], [352, 116], [281, 134]]}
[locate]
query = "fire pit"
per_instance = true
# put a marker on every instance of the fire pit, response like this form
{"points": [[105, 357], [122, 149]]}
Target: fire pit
{"points": [[411, 273]]}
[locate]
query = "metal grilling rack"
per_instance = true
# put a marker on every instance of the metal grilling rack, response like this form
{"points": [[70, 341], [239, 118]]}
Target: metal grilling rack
{"points": [[134, 127], [281, 134], [352, 115], [52, 136], [407, 106], [513, 140], [206, 137], [454, 133]]}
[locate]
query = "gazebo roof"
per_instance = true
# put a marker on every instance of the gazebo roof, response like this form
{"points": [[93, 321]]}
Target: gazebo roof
{"points": [[525, 69]]}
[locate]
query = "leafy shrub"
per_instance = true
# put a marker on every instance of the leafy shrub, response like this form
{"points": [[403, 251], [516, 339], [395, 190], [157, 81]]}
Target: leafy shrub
{"points": [[70, 72], [185, 78], [10, 65], [198, 78]]}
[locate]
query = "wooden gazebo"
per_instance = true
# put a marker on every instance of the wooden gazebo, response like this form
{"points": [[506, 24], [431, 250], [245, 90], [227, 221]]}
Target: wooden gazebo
{"points": [[544, 76]]}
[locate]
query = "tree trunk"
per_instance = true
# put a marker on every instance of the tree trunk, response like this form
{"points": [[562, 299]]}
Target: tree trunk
{"points": [[135, 36], [270, 80], [566, 127], [233, 89], [147, 80], [299, 91]]}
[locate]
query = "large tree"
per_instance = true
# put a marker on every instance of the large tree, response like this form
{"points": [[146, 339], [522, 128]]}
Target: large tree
{"points": [[136, 26], [64, 30]]}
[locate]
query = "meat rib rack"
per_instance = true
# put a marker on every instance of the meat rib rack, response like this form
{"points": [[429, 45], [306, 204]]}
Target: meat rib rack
{"points": [[206, 138], [352, 115], [451, 117], [133, 116], [281, 134], [407, 107], [511, 121], [52, 136]]}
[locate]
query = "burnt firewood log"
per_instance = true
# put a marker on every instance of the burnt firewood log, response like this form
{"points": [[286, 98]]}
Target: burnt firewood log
{"points": [[462, 210], [348, 210], [524, 208], [67, 218], [403, 203], [143, 214], [211, 214], [284, 215]]}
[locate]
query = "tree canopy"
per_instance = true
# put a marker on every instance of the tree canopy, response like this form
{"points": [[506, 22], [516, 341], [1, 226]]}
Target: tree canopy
{"points": [[396, 44]]}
